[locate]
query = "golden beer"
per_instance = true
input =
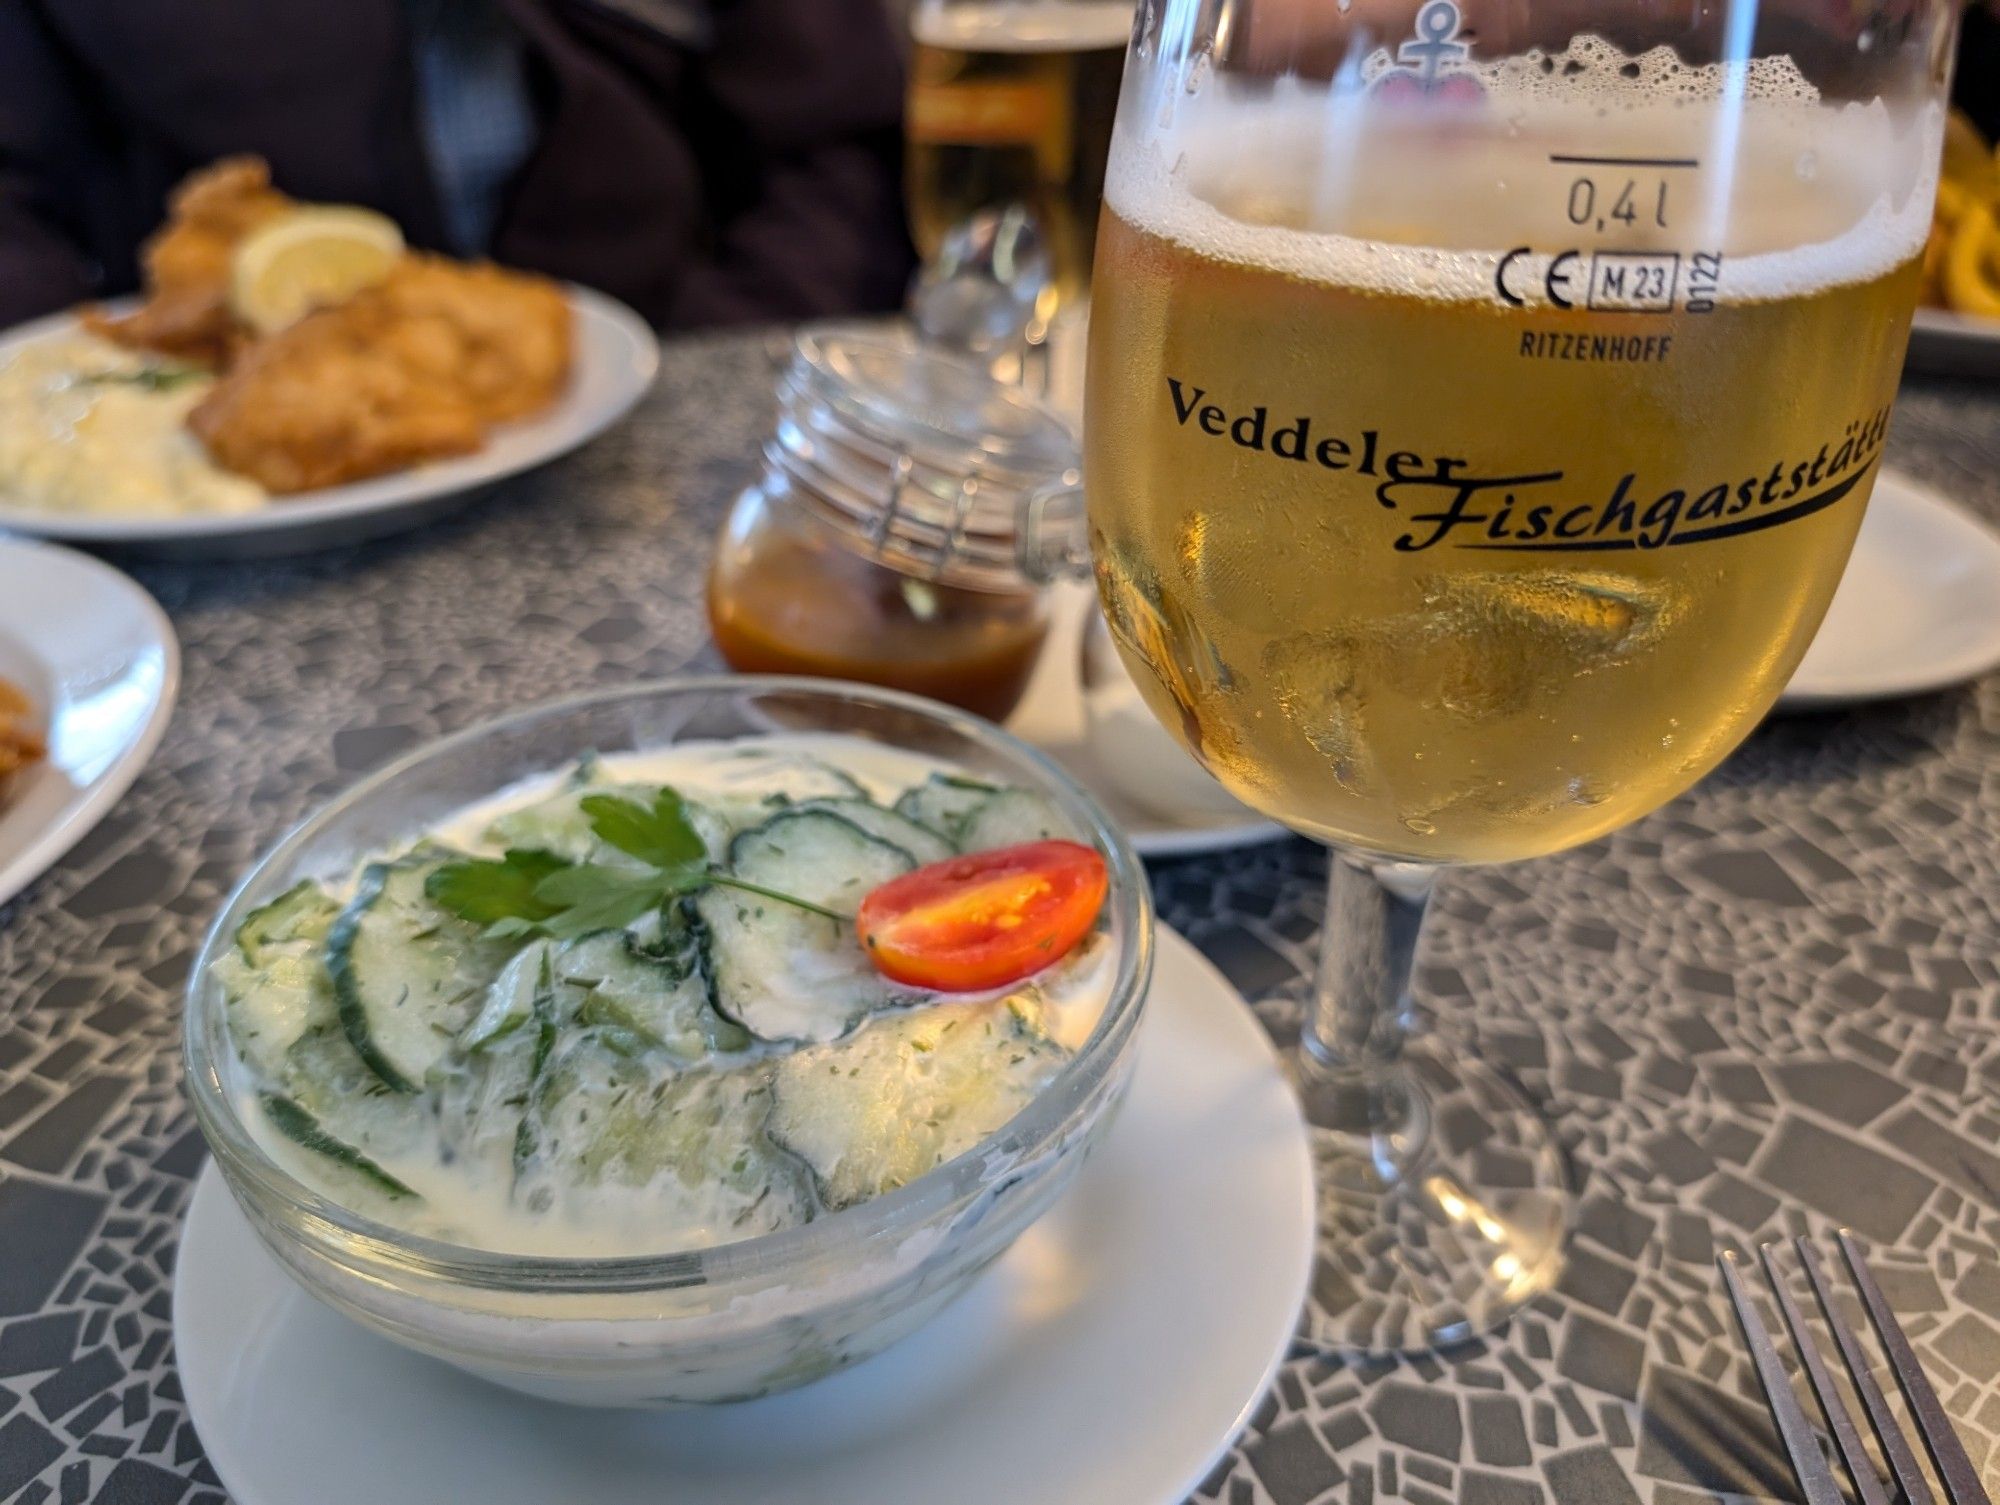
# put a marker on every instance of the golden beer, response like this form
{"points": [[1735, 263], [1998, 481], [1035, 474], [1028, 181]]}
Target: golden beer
{"points": [[1450, 549], [1012, 103]]}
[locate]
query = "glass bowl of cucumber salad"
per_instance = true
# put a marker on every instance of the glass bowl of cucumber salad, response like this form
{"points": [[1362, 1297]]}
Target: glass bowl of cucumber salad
{"points": [[676, 1044]]}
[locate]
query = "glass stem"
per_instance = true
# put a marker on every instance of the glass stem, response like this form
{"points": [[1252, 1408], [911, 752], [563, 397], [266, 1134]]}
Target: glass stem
{"points": [[1353, 1079]]}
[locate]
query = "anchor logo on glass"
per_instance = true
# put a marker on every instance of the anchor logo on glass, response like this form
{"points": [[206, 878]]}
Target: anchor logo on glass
{"points": [[1431, 60]]}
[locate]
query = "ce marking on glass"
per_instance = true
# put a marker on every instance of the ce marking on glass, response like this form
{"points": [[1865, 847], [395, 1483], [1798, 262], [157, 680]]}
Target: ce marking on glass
{"points": [[1555, 281], [1632, 282]]}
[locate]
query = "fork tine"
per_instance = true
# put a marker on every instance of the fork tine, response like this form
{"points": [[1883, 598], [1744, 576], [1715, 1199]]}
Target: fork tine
{"points": [[1839, 1420], [1794, 1431], [1895, 1446], [1961, 1480]]}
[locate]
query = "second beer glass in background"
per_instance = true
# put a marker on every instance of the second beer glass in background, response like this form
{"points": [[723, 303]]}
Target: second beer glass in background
{"points": [[1011, 104]]}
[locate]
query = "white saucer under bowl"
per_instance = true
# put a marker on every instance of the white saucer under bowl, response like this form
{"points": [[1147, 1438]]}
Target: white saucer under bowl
{"points": [[1109, 1356], [1917, 610]]}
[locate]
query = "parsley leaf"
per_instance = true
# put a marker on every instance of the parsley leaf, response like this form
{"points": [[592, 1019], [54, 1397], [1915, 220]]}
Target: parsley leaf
{"points": [[528, 893], [661, 836], [159, 378], [590, 897], [497, 893]]}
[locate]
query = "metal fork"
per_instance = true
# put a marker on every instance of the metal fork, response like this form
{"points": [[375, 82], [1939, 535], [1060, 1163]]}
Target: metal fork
{"points": [[1954, 1469]]}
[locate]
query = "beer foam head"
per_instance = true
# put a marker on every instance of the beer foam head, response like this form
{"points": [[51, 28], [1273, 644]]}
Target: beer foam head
{"points": [[1025, 25], [1592, 73], [1335, 183]]}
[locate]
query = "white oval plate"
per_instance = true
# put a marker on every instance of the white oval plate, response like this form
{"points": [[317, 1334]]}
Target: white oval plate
{"points": [[617, 356], [1949, 344], [1917, 610], [1110, 1356], [1052, 716], [96, 656]]}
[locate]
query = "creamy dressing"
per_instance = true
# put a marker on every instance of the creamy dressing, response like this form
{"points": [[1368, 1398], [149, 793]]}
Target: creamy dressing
{"points": [[458, 1152], [82, 429], [716, 773]]}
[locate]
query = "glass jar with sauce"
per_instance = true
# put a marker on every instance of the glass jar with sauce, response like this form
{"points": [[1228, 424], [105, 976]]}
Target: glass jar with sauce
{"points": [[887, 537]]}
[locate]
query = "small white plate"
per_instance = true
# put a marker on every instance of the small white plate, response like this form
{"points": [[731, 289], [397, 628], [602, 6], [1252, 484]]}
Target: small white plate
{"points": [[1948, 344], [617, 356], [1917, 610], [98, 659], [1110, 1356], [1053, 717]]}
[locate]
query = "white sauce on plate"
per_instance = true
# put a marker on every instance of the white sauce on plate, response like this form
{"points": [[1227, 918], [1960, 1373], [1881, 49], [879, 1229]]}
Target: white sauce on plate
{"points": [[83, 430]]}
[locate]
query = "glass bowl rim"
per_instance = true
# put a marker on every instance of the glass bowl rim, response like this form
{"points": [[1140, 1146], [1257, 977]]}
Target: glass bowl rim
{"points": [[881, 1218]]}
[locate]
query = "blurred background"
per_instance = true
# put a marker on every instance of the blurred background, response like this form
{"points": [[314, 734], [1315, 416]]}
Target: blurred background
{"points": [[706, 162]]}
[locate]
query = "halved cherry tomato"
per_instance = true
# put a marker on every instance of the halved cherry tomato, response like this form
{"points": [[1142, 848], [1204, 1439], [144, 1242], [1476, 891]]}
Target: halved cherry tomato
{"points": [[985, 919]]}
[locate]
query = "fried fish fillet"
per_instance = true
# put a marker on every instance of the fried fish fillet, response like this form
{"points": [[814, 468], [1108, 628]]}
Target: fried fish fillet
{"points": [[20, 744], [186, 313], [415, 368]]}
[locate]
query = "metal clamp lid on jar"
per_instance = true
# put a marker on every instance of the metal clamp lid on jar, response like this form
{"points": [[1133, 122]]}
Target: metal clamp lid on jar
{"points": [[926, 463]]}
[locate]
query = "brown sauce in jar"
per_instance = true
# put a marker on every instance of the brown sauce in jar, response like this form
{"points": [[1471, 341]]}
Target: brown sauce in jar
{"points": [[783, 601]]}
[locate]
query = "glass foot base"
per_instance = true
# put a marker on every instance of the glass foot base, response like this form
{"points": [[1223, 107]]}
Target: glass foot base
{"points": [[1443, 1204]]}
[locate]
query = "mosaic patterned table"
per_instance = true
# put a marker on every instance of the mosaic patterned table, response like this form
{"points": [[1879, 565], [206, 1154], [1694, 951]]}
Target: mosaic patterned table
{"points": [[1770, 1008]]}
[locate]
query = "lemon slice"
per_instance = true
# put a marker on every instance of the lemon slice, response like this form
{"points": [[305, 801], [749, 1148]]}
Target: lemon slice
{"points": [[307, 258]]}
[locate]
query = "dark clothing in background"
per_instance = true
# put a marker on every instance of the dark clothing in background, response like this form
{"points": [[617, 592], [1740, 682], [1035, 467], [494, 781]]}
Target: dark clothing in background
{"points": [[707, 161], [1976, 86]]}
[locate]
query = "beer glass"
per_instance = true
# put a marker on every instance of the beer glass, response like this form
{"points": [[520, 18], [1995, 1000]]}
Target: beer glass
{"points": [[1010, 109], [1483, 399]]}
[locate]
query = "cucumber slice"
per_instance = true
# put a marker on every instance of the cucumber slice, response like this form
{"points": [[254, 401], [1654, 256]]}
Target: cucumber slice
{"points": [[510, 1001], [906, 1093], [943, 802], [480, 1099], [274, 981], [1008, 817], [976, 817], [694, 1141], [269, 1007], [663, 935], [663, 1004], [776, 779], [922, 843], [558, 824], [299, 1126], [300, 916], [782, 972], [546, 1027], [817, 856], [323, 1074], [408, 976]]}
